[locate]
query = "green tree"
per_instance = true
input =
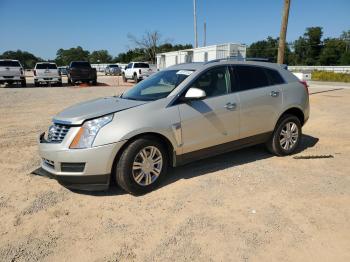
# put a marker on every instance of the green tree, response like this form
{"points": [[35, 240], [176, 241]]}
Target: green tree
{"points": [[267, 48], [65, 56], [27, 59], [332, 51], [100, 56], [308, 48]]}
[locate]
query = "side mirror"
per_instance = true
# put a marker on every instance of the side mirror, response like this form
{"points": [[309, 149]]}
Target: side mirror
{"points": [[195, 94]]}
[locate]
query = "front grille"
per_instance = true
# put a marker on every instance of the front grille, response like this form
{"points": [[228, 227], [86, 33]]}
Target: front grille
{"points": [[8, 77], [57, 133], [49, 163]]}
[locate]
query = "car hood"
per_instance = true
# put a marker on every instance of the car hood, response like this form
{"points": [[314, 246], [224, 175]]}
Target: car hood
{"points": [[78, 113]]}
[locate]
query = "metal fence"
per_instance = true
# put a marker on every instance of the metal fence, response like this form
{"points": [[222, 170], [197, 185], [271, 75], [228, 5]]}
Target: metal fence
{"points": [[308, 69]]}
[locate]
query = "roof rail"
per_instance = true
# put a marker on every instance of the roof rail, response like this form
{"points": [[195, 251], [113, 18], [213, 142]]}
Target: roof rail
{"points": [[233, 58]]}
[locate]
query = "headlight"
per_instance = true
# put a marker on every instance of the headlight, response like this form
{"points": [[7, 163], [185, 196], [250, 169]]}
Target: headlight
{"points": [[87, 133]]}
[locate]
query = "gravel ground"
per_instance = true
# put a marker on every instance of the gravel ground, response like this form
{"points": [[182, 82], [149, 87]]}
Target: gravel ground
{"points": [[242, 206]]}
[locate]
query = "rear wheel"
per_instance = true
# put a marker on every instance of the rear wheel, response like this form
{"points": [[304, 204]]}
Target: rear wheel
{"points": [[286, 136], [69, 81], [124, 78], [141, 166], [94, 82], [36, 83]]}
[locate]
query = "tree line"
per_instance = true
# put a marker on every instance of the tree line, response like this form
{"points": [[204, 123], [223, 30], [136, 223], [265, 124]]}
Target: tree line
{"points": [[308, 49]]}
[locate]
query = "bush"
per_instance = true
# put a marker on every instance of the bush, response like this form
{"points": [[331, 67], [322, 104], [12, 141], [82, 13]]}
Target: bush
{"points": [[330, 76]]}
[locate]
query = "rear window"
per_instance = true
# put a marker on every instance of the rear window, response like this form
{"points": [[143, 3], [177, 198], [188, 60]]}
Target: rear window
{"points": [[113, 66], [250, 77], [10, 63], [46, 66], [80, 64], [141, 65], [274, 77]]}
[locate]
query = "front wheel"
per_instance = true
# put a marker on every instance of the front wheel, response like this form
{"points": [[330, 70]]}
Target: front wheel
{"points": [[136, 79], [124, 78], [286, 136], [141, 166]]}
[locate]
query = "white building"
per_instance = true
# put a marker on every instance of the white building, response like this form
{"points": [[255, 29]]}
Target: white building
{"points": [[201, 54]]}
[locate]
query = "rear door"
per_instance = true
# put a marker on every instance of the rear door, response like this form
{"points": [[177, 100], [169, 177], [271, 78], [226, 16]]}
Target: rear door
{"points": [[260, 99], [213, 120], [129, 71]]}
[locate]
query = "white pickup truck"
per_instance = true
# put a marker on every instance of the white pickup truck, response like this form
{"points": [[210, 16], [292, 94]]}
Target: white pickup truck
{"points": [[137, 71], [47, 73], [11, 71]]}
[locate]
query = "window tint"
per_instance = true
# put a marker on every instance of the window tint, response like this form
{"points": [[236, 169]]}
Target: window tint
{"points": [[250, 77], [129, 65], [141, 65], [113, 66], [80, 64], [46, 66], [214, 82], [274, 77], [9, 63]]}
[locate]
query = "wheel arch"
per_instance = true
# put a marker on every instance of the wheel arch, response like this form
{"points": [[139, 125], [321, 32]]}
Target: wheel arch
{"points": [[159, 137], [296, 112]]}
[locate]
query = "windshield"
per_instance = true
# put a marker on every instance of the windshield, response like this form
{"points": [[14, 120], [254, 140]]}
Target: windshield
{"points": [[157, 86], [46, 66], [80, 64], [9, 63]]}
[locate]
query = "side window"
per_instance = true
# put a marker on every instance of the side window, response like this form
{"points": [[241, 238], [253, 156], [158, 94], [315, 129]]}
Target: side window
{"points": [[250, 77], [129, 66], [214, 82], [274, 77]]}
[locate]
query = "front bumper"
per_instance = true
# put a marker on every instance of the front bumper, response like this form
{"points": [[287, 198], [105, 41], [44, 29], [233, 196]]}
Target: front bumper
{"points": [[84, 169]]}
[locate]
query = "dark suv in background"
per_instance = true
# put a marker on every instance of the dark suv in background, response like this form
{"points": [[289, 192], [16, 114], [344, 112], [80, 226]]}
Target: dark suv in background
{"points": [[81, 71]]}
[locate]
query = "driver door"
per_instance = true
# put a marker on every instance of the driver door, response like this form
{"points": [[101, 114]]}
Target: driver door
{"points": [[213, 120]]}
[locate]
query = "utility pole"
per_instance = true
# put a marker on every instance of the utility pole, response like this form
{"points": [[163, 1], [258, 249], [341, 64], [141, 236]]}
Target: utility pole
{"points": [[283, 33], [205, 34], [195, 24]]}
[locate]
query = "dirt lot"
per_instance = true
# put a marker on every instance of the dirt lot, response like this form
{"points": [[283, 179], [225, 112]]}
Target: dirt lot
{"points": [[241, 206]]}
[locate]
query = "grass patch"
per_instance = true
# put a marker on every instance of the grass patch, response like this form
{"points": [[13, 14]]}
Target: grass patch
{"points": [[330, 76]]}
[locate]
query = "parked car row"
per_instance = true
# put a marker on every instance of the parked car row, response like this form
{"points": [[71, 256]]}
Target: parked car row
{"points": [[47, 73]]}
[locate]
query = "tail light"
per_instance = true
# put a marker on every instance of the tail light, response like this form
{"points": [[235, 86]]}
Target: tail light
{"points": [[304, 83], [140, 71], [34, 72]]}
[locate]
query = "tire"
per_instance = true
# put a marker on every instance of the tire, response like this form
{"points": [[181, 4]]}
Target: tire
{"points": [[136, 79], [133, 180], [94, 82], [288, 128], [69, 81], [59, 84], [36, 84], [23, 83], [124, 78]]}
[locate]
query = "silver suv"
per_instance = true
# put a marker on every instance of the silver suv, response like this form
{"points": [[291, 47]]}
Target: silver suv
{"points": [[180, 114]]}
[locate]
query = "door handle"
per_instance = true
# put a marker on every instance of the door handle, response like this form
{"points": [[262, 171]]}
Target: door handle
{"points": [[274, 93], [231, 106]]}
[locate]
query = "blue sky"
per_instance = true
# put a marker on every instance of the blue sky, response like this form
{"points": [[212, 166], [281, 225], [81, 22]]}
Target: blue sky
{"points": [[43, 26]]}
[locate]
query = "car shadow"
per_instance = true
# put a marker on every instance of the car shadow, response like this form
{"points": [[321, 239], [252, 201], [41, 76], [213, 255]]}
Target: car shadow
{"points": [[228, 160], [201, 167]]}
